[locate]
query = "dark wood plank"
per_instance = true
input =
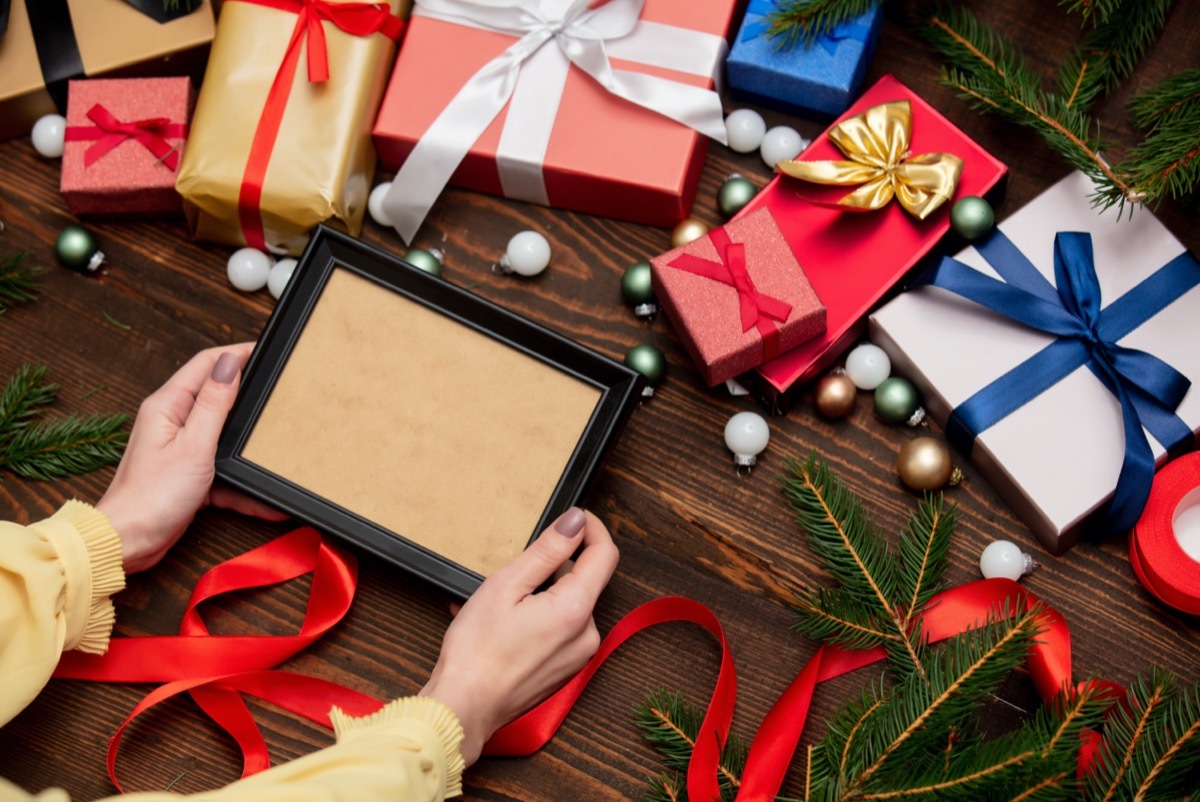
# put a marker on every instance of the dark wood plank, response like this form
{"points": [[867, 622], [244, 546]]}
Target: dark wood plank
{"points": [[685, 523]]}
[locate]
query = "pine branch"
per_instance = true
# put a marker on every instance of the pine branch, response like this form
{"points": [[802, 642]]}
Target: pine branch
{"points": [[65, 447], [829, 615], [18, 281], [990, 73], [923, 554], [1167, 162], [1109, 51], [23, 397], [795, 21], [1178, 94], [1096, 10], [665, 788], [671, 725]]}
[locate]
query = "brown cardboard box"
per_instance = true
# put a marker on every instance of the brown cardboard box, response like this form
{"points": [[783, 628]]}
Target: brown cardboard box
{"points": [[114, 40]]}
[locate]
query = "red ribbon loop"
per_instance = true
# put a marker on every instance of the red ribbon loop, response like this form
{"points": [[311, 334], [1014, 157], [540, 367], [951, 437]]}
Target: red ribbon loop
{"points": [[109, 132], [356, 19], [757, 309]]}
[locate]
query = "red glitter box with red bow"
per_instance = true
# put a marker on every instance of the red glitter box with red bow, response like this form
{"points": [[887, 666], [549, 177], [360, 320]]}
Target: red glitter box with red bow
{"points": [[123, 144], [737, 297]]}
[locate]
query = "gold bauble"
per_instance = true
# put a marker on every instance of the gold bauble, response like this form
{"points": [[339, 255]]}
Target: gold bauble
{"points": [[835, 395], [925, 464], [688, 229]]}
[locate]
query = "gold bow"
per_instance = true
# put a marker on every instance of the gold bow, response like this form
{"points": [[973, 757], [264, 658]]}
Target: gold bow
{"points": [[876, 143]]}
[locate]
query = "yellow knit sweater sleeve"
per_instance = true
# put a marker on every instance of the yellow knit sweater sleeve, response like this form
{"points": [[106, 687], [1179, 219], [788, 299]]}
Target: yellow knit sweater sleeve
{"points": [[55, 580]]}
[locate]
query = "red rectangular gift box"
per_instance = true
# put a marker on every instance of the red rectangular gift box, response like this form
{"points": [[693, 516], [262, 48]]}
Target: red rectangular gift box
{"points": [[854, 258], [123, 144], [606, 156], [737, 296]]}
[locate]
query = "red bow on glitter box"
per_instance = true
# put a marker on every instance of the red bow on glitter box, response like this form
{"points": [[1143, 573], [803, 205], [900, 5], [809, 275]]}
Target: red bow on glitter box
{"points": [[109, 132], [776, 307]]}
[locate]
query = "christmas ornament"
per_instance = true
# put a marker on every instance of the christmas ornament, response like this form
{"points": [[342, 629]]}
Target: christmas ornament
{"points": [[835, 395], [427, 259], [527, 254], [781, 143], [1005, 559], [48, 135], [925, 464], [248, 269], [972, 217], [745, 129], [279, 276], [688, 229], [76, 248], [896, 401], [375, 204], [734, 194], [867, 366], [648, 361], [746, 435], [638, 290]]}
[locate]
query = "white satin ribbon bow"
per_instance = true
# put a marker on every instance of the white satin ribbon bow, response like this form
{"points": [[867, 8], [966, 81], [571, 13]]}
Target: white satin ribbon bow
{"points": [[584, 37]]}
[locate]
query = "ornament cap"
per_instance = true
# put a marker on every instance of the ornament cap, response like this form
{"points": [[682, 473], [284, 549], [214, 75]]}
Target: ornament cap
{"points": [[95, 262], [645, 310]]}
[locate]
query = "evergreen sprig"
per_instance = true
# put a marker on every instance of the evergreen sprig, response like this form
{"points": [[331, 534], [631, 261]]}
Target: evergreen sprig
{"points": [[793, 21], [1097, 11], [18, 281], [915, 736], [1167, 162], [990, 73], [671, 725], [46, 449]]}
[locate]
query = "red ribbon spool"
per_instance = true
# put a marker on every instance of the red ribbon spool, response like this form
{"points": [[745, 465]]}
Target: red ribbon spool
{"points": [[1158, 558]]}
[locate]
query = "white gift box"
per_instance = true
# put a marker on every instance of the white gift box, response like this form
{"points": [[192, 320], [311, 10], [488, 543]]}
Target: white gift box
{"points": [[1056, 459]]}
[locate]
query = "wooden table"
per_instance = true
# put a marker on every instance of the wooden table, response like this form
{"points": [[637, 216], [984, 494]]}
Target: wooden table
{"points": [[684, 522]]}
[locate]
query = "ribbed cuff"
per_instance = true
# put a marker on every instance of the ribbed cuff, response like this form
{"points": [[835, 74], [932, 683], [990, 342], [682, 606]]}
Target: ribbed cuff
{"points": [[436, 715], [103, 549]]}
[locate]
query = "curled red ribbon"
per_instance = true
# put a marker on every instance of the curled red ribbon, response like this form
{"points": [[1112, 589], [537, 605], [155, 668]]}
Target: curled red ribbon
{"points": [[757, 309], [1157, 558], [356, 19], [109, 132], [215, 669]]}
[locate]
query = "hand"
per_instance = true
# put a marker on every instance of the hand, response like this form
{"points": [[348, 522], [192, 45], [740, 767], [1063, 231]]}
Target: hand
{"points": [[166, 474], [510, 646]]}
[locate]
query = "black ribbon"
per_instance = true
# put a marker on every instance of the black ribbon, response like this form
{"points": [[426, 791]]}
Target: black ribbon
{"points": [[4, 4], [165, 10]]}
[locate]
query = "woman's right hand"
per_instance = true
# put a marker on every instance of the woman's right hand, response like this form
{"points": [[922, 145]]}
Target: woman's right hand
{"points": [[510, 646]]}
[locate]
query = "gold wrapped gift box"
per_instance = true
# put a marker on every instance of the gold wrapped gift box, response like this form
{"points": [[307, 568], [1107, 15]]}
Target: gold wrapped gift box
{"points": [[322, 162]]}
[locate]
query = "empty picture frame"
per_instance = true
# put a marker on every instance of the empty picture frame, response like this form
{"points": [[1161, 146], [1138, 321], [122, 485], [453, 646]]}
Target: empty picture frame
{"points": [[425, 424]]}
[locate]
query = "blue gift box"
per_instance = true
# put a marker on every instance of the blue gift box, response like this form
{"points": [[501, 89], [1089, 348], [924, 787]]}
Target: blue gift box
{"points": [[819, 80]]}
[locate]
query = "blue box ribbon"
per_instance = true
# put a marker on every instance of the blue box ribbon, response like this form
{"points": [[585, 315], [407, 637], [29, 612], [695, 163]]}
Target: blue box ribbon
{"points": [[1149, 390]]}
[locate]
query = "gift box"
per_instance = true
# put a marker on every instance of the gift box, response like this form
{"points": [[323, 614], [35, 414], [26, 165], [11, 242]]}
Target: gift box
{"points": [[1049, 408], [436, 390], [78, 38], [737, 296], [123, 144], [510, 114], [818, 79], [852, 257], [281, 138]]}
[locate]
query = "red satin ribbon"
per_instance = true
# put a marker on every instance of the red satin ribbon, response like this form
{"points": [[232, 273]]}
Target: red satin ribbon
{"points": [[108, 132], [215, 669], [757, 309], [356, 19], [1157, 559]]}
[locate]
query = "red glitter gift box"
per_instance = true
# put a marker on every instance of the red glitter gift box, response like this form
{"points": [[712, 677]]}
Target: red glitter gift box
{"points": [[737, 296], [123, 144]]}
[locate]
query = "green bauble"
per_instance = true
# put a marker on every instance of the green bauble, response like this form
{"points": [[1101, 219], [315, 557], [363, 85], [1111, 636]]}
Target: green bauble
{"points": [[636, 285], [77, 249], [972, 217], [648, 361], [896, 400], [734, 194], [429, 261]]}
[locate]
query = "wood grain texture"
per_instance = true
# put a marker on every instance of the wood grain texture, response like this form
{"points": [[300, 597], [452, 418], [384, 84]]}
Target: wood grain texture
{"points": [[685, 523]]}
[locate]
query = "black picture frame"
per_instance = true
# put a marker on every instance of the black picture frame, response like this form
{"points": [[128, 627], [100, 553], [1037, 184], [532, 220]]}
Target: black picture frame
{"points": [[330, 250]]}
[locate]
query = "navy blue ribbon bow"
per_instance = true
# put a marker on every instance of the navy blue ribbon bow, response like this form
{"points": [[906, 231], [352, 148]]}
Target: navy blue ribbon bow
{"points": [[1149, 390], [851, 29]]}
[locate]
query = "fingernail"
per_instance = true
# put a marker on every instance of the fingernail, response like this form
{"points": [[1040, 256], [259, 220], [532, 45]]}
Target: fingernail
{"points": [[225, 370], [570, 523]]}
